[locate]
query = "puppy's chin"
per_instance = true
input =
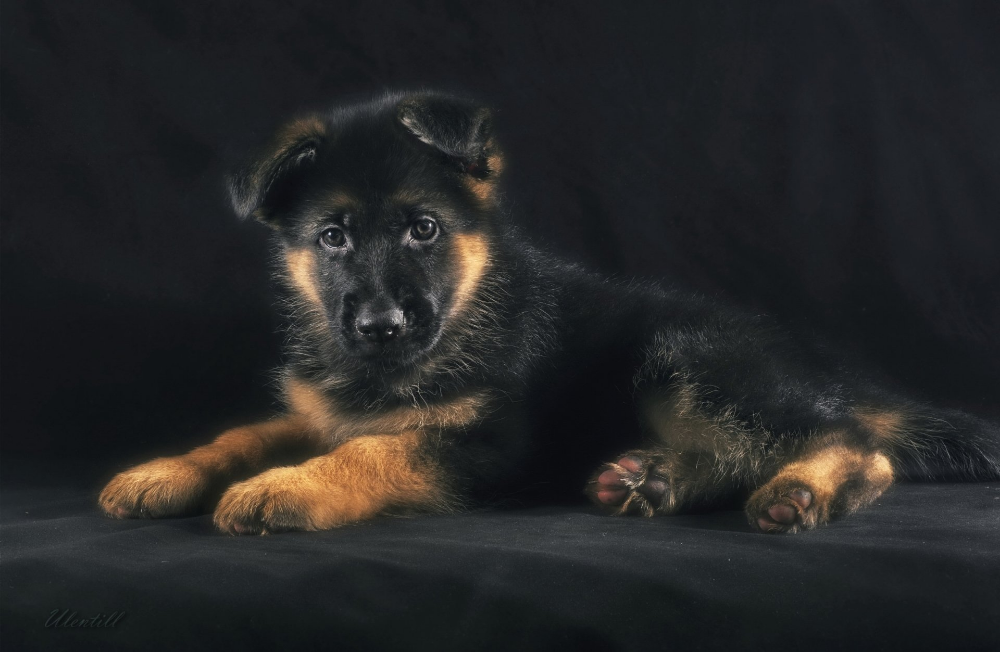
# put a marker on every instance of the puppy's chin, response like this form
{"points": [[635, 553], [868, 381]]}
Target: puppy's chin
{"points": [[392, 355], [387, 358]]}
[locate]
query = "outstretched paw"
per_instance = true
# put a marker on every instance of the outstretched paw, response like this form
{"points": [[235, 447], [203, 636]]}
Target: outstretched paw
{"points": [[168, 486], [633, 484], [282, 499], [783, 507]]}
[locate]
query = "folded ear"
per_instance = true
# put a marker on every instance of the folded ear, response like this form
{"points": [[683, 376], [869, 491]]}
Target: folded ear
{"points": [[459, 128], [261, 186]]}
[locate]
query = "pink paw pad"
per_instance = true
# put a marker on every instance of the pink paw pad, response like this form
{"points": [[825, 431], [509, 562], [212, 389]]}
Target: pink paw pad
{"points": [[781, 515], [611, 488]]}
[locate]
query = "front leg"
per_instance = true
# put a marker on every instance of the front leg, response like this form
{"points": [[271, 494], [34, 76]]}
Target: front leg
{"points": [[363, 477], [185, 484]]}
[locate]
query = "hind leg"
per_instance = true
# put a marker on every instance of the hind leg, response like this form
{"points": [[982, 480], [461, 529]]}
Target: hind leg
{"points": [[831, 478], [656, 481], [693, 460]]}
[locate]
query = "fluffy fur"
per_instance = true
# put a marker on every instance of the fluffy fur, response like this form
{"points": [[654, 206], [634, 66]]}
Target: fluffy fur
{"points": [[436, 359]]}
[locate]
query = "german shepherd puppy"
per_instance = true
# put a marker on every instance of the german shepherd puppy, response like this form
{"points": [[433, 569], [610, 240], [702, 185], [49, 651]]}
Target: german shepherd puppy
{"points": [[436, 360]]}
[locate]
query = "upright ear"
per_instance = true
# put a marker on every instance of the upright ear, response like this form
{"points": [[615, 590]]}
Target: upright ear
{"points": [[262, 185], [459, 128]]}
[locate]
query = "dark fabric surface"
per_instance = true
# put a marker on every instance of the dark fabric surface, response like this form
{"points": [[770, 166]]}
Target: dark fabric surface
{"points": [[917, 571]]}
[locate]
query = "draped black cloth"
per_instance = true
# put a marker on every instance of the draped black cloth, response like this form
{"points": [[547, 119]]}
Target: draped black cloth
{"points": [[833, 164], [917, 571]]}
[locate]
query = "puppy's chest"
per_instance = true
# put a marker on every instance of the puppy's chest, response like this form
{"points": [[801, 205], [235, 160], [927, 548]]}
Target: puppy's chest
{"points": [[340, 422]]}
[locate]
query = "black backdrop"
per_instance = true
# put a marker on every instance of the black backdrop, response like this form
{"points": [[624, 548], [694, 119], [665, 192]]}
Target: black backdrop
{"points": [[836, 164]]}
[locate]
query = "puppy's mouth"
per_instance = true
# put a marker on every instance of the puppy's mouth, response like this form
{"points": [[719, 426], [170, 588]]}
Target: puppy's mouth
{"points": [[389, 342]]}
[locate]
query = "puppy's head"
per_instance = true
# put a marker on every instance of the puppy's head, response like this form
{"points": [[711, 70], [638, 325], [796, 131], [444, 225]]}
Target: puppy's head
{"points": [[384, 212]]}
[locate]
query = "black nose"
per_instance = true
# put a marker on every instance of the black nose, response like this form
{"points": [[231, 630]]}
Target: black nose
{"points": [[379, 327]]}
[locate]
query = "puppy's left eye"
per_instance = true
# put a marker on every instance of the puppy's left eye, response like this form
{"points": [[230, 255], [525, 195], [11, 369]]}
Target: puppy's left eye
{"points": [[424, 229], [333, 238]]}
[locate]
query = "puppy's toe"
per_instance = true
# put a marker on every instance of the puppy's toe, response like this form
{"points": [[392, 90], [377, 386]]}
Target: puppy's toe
{"points": [[163, 487], [630, 485], [783, 509]]}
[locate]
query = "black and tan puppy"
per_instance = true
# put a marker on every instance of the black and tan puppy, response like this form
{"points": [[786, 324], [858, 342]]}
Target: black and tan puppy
{"points": [[436, 359]]}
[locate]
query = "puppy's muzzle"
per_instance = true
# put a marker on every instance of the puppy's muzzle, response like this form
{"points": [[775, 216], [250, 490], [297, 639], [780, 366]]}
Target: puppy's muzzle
{"points": [[379, 327]]}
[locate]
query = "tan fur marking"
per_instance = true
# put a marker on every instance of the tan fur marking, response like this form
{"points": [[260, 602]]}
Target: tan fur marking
{"points": [[880, 469], [829, 467], [484, 189], [250, 446], [302, 271], [408, 197], [324, 415], [339, 200], [826, 469], [363, 477], [472, 258], [495, 162], [171, 486], [166, 486], [383, 471], [889, 425], [481, 188], [839, 477], [311, 403]]}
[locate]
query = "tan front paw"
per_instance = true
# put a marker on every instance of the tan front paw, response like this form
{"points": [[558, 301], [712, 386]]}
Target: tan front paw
{"points": [[282, 499], [168, 486]]}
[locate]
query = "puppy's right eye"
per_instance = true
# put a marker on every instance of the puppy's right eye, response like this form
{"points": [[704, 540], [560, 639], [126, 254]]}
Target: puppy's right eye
{"points": [[333, 238]]}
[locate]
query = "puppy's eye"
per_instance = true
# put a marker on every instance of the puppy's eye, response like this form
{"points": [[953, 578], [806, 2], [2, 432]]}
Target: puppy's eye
{"points": [[424, 229], [333, 238]]}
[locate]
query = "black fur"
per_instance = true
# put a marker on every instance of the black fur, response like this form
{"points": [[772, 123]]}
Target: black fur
{"points": [[566, 358]]}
